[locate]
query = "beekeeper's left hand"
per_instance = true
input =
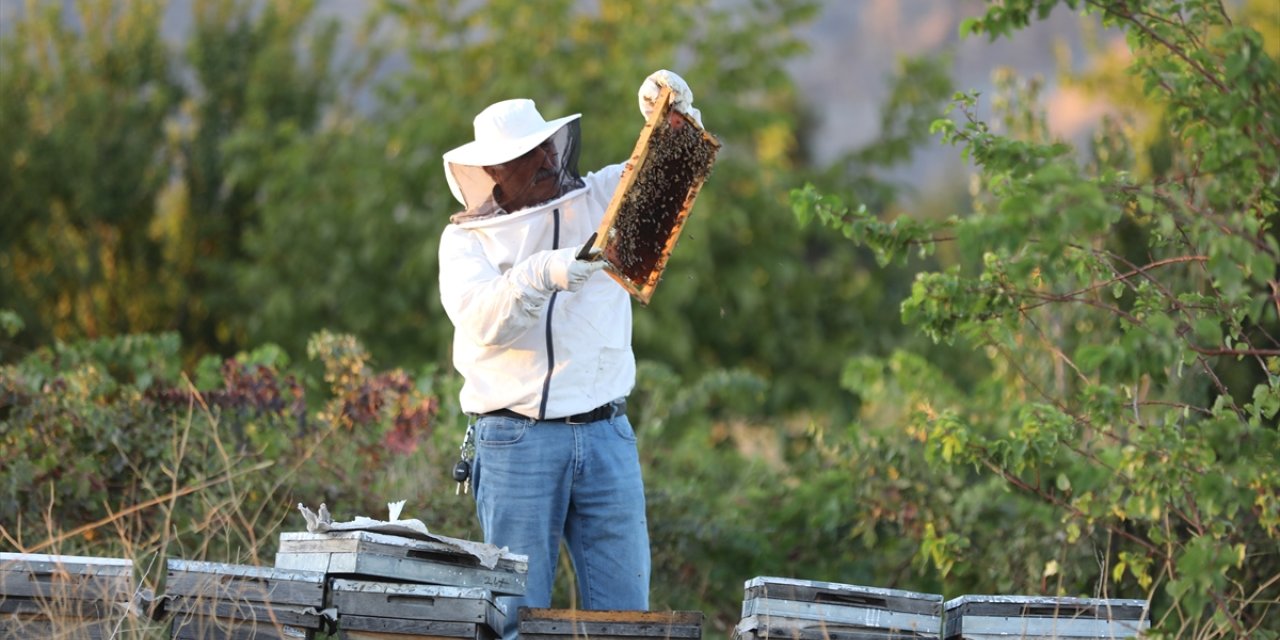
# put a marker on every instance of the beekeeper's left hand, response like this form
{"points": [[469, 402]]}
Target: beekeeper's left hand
{"points": [[683, 98]]}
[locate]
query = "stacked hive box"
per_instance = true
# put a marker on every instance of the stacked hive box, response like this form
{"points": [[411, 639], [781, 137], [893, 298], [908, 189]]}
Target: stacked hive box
{"points": [[571, 624], [386, 586], [808, 610], [375, 610], [1043, 618], [210, 600], [50, 596]]}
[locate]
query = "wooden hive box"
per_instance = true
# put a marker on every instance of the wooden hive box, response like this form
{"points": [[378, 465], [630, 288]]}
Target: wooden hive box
{"points": [[59, 596], [565, 624], [671, 161], [977, 617], [401, 611], [811, 610], [365, 554], [212, 600]]}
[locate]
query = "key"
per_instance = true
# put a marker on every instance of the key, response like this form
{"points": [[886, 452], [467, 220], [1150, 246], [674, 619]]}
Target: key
{"points": [[462, 475]]}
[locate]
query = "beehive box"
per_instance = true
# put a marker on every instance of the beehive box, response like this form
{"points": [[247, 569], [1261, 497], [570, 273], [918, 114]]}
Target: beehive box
{"points": [[212, 600], [563, 624], [365, 554], [672, 159], [977, 617], [58, 596], [811, 610], [382, 610]]}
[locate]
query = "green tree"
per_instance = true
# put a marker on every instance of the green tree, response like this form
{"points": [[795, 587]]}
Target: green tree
{"points": [[1121, 306], [121, 213]]}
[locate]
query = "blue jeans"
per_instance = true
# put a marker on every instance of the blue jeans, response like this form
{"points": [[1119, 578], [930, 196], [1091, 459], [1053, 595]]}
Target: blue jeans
{"points": [[537, 482]]}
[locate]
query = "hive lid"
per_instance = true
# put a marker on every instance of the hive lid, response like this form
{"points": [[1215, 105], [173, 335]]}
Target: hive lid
{"points": [[1046, 606]]}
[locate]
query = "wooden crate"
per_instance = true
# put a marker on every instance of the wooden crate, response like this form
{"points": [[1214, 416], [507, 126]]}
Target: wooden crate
{"points": [[384, 610], [672, 159], [812, 610], [212, 600], [978, 617], [364, 554], [562, 624], [58, 596]]}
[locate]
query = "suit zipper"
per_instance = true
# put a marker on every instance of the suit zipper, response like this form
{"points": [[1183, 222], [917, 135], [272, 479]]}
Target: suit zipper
{"points": [[551, 307]]}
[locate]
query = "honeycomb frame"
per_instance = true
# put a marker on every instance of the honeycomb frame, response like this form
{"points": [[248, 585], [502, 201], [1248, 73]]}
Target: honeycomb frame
{"points": [[672, 159]]}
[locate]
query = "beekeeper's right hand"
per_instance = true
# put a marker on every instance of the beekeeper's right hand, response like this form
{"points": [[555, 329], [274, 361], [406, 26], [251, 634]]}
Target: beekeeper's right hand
{"points": [[560, 270]]}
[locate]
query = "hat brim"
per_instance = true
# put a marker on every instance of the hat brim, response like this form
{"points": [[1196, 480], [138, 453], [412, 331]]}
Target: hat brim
{"points": [[487, 154]]}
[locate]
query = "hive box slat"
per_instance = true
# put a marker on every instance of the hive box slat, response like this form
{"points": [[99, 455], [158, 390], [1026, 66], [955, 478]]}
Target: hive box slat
{"points": [[976, 617], [753, 628], [68, 609], [244, 583], [558, 624], [232, 613], [21, 626], [65, 578], [192, 627], [355, 626], [367, 554]]}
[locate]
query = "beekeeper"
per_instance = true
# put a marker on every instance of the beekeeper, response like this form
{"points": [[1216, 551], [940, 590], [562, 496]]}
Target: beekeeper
{"points": [[543, 343]]}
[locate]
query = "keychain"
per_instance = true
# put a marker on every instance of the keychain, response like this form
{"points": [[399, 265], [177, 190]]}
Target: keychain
{"points": [[466, 453]]}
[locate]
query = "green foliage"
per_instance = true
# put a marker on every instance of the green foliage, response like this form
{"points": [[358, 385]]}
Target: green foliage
{"points": [[1125, 316], [111, 449]]}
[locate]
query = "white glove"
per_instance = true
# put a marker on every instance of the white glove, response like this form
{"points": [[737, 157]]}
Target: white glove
{"points": [[683, 98], [565, 272]]}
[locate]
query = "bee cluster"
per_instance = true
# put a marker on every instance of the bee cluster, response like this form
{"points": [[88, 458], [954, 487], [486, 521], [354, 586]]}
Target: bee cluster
{"points": [[680, 157]]}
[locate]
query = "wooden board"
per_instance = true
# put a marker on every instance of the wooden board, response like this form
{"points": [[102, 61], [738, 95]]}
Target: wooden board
{"points": [[672, 159], [415, 601], [367, 554], [548, 624], [1041, 617], [244, 583], [65, 578]]}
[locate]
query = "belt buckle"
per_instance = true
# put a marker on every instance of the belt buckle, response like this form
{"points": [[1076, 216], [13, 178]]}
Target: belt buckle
{"points": [[571, 420]]}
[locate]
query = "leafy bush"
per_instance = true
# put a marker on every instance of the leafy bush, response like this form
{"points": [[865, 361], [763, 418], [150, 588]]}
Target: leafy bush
{"points": [[1123, 319]]}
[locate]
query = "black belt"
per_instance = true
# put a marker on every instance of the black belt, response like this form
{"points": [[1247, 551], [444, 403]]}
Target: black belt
{"points": [[602, 412]]}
